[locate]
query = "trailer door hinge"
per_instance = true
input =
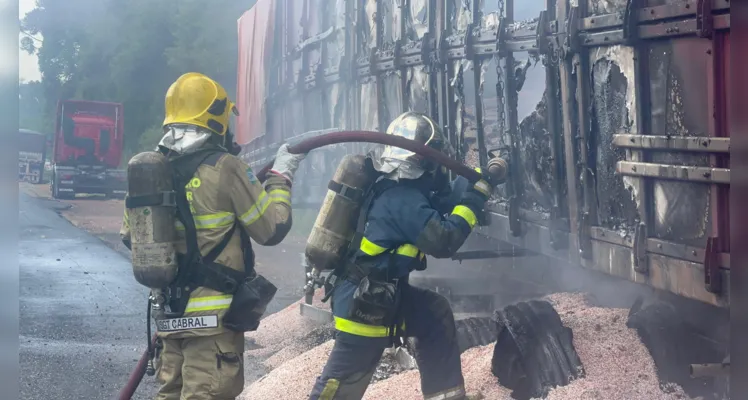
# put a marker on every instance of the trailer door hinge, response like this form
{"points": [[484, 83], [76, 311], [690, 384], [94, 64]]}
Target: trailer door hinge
{"points": [[631, 22], [427, 42], [573, 44], [704, 20], [514, 223], [641, 261], [556, 236], [712, 275], [547, 33], [468, 42], [440, 54], [585, 237], [373, 57], [397, 54]]}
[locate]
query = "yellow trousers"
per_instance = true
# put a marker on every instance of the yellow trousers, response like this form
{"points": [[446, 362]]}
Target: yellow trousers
{"points": [[201, 368]]}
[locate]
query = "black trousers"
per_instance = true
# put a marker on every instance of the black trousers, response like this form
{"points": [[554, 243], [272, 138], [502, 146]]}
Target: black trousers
{"points": [[429, 319]]}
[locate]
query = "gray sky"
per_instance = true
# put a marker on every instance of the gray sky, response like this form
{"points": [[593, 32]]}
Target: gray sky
{"points": [[28, 68]]}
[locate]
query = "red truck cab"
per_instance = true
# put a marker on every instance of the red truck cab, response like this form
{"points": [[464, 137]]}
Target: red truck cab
{"points": [[88, 149]]}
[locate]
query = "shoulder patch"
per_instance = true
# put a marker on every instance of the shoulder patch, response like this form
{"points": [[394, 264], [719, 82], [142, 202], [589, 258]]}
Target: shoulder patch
{"points": [[251, 176]]}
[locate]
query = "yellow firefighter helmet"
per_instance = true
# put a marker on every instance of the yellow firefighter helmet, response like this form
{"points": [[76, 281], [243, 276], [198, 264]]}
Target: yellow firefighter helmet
{"points": [[195, 99]]}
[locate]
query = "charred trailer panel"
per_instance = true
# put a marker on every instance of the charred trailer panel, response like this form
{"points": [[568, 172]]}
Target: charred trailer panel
{"points": [[612, 112]]}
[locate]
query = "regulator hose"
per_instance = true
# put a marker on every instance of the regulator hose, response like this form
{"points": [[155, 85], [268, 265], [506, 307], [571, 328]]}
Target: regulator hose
{"points": [[378, 138]]}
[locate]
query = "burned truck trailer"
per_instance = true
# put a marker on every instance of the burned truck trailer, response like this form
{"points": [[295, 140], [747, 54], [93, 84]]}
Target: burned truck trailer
{"points": [[614, 112]]}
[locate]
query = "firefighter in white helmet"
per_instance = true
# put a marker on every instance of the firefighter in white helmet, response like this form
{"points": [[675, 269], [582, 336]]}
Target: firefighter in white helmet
{"points": [[201, 329]]}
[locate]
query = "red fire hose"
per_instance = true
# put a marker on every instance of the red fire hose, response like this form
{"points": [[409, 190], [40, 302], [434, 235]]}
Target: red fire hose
{"points": [[378, 138], [136, 376], [320, 141]]}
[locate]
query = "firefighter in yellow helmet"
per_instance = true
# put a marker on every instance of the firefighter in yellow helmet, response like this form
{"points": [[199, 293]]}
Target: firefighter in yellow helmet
{"points": [[201, 326]]}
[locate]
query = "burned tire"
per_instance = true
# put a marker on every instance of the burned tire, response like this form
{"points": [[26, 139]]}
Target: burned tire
{"points": [[534, 352], [475, 331], [674, 345]]}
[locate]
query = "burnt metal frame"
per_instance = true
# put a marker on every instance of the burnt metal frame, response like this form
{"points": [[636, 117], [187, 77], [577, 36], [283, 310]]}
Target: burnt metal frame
{"points": [[563, 34]]}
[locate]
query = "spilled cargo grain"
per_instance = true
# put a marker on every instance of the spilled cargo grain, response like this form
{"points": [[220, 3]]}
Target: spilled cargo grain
{"points": [[617, 365]]}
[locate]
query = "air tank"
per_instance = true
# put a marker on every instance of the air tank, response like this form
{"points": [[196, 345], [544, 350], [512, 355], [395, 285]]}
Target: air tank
{"points": [[152, 214], [337, 219]]}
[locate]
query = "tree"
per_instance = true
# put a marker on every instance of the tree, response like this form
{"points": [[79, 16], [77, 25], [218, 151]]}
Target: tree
{"points": [[130, 51], [31, 107]]}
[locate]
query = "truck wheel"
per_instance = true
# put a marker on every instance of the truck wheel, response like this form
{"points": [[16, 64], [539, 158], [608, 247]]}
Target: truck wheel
{"points": [[534, 351]]}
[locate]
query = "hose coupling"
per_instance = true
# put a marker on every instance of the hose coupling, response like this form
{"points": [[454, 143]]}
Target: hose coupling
{"points": [[150, 370]]}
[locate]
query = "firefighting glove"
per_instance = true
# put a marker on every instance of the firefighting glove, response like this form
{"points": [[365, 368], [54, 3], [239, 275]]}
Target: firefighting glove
{"points": [[286, 163], [475, 196]]}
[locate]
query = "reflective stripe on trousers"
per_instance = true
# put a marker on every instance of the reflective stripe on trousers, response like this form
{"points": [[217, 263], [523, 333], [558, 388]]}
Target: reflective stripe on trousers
{"points": [[359, 329], [449, 394], [209, 303]]}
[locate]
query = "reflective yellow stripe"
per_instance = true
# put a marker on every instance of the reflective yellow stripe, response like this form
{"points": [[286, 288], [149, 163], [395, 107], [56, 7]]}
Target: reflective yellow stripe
{"points": [[127, 219], [209, 303], [256, 211], [210, 221], [370, 248], [359, 329], [407, 250], [331, 387], [467, 214], [373, 249], [217, 220], [457, 392], [280, 196]]}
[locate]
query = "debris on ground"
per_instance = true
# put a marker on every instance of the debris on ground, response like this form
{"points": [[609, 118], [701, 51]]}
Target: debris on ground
{"points": [[284, 330], [389, 366], [313, 338], [476, 368], [534, 351], [617, 364], [673, 343], [292, 380]]}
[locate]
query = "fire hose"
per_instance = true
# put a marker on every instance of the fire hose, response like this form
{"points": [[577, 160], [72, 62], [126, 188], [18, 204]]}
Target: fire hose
{"points": [[497, 168], [496, 171]]}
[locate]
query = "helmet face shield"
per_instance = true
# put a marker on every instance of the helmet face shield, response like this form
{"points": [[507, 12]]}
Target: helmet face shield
{"points": [[184, 139], [419, 128]]}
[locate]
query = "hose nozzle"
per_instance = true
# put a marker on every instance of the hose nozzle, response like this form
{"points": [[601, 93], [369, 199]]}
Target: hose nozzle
{"points": [[497, 170]]}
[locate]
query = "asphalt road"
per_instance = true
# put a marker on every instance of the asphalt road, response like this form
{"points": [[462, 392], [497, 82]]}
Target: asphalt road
{"points": [[82, 314]]}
